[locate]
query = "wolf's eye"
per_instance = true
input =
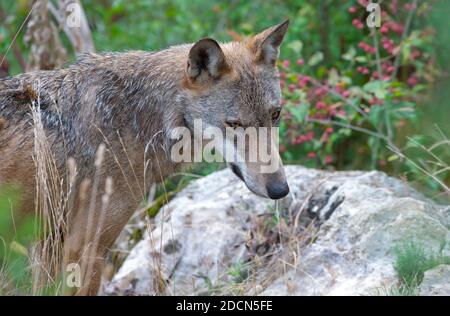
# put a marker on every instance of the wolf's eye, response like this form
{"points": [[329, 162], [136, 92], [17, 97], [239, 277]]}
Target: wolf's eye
{"points": [[276, 115], [233, 124]]}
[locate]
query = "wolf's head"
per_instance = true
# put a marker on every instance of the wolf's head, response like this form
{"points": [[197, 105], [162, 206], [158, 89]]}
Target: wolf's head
{"points": [[235, 87]]}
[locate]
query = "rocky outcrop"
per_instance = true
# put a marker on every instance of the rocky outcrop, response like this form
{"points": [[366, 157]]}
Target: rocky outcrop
{"points": [[436, 282], [333, 235]]}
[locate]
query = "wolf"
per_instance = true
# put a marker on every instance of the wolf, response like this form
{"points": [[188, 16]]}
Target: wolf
{"points": [[128, 104]]}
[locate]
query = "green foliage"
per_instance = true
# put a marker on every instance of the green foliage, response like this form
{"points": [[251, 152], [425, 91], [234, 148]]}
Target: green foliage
{"points": [[356, 111], [239, 272], [413, 259], [15, 237]]}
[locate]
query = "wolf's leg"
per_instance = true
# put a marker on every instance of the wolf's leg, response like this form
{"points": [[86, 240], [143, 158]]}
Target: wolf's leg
{"points": [[88, 243], [89, 257]]}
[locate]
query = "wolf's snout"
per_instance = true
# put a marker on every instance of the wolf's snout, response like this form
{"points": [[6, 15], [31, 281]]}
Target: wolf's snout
{"points": [[277, 190]]}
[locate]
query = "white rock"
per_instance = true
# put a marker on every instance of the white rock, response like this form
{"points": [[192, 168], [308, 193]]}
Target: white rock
{"points": [[202, 234], [436, 282]]}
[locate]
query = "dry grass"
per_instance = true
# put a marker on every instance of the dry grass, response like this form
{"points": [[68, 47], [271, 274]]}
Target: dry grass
{"points": [[436, 163], [54, 204], [51, 211]]}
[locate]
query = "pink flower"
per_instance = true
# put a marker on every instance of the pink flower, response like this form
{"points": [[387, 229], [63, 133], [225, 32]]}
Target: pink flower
{"points": [[388, 45], [291, 88], [329, 130], [301, 84], [352, 9], [302, 81], [312, 155], [397, 27], [414, 54], [341, 113], [375, 101], [298, 140], [363, 70], [346, 93], [300, 62], [320, 105], [328, 159], [409, 6], [363, 3], [384, 29], [357, 23], [320, 91], [394, 4], [285, 63], [366, 47], [283, 75], [412, 81], [371, 50]]}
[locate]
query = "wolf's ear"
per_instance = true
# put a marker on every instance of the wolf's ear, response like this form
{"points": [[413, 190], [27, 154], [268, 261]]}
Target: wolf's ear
{"points": [[206, 60], [266, 45]]}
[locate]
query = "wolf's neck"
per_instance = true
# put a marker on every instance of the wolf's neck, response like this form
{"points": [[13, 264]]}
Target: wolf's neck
{"points": [[142, 95]]}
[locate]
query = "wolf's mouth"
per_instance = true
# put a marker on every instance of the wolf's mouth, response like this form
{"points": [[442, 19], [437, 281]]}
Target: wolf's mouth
{"points": [[237, 171]]}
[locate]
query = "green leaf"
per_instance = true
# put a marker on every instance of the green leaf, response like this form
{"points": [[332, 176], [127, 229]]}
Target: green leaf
{"points": [[392, 158], [350, 54], [315, 59], [296, 46], [300, 112], [18, 248], [377, 87], [333, 77], [375, 115]]}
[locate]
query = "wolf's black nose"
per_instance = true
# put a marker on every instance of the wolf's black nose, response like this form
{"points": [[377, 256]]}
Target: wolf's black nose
{"points": [[277, 190]]}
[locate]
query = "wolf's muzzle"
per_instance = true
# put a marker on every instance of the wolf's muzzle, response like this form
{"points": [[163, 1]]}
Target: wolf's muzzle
{"points": [[277, 190], [237, 171]]}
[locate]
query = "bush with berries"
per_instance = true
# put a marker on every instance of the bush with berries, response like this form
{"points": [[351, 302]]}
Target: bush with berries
{"points": [[354, 113]]}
